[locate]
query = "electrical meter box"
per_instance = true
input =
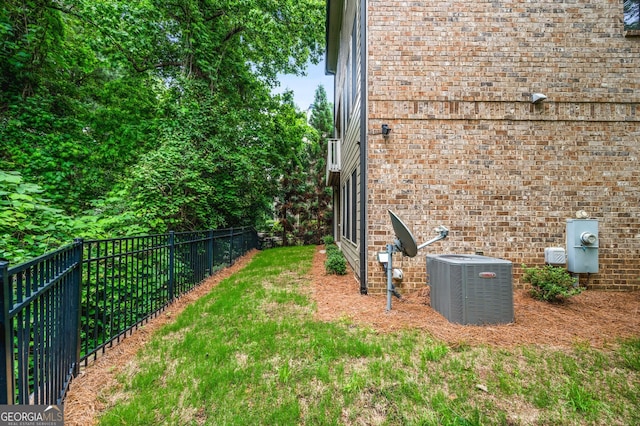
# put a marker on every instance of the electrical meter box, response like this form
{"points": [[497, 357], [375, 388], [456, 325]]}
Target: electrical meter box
{"points": [[582, 245]]}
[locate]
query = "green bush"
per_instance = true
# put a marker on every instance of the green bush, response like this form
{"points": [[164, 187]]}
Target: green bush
{"points": [[336, 262], [550, 283], [332, 248], [336, 265], [328, 240]]}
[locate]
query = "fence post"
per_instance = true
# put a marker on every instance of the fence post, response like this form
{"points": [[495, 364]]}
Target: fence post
{"points": [[244, 241], [77, 281], [6, 355], [231, 248], [211, 256], [172, 263]]}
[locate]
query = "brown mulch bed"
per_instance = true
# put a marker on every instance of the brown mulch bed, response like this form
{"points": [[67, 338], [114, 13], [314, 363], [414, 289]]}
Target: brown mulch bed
{"points": [[598, 319], [595, 318]]}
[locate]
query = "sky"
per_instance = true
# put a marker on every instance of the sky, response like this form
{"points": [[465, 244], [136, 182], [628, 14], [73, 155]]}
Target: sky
{"points": [[304, 88]]}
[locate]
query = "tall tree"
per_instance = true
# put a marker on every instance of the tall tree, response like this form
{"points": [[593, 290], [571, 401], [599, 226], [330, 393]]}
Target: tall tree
{"points": [[322, 114], [304, 203], [217, 167], [150, 115], [322, 121]]}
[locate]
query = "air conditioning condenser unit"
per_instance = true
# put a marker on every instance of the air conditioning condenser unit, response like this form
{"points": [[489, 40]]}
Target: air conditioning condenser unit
{"points": [[471, 289]]}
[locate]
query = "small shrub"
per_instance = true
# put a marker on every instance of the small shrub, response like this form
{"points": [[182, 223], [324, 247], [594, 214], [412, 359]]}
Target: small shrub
{"points": [[335, 263], [328, 240], [332, 248], [550, 283]]}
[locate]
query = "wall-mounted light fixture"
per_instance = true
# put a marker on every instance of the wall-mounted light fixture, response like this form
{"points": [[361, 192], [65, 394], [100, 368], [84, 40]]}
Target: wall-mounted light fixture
{"points": [[537, 98], [386, 130]]}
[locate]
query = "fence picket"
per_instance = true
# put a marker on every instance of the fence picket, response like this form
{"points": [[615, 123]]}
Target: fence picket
{"points": [[6, 355]]}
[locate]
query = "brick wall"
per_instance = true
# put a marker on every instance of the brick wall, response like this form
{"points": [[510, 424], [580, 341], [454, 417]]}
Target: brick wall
{"points": [[468, 149]]}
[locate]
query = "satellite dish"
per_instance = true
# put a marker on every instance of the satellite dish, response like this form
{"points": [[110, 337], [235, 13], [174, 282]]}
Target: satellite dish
{"points": [[406, 244], [405, 241]]}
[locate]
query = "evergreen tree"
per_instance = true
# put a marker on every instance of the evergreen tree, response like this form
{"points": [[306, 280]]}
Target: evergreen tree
{"points": [[303, 207], [322, 114], [322, 121]]}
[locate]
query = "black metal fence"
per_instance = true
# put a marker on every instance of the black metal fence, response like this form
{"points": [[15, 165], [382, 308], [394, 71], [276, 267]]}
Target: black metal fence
{"points": [[65, 307]]}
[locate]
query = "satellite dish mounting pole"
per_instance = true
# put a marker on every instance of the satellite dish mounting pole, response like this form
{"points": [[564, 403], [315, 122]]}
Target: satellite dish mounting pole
{"points": [[390, 251]]}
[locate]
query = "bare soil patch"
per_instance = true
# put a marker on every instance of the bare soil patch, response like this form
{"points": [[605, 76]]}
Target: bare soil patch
{"points": [[594, 318]]}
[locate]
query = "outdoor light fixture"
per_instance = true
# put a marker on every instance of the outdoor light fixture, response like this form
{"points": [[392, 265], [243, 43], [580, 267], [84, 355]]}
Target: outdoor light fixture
{"points": [[386, 130], [537, 98]]}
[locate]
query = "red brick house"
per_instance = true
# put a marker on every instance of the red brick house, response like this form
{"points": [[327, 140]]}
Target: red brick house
{"points": [[468, 148]]}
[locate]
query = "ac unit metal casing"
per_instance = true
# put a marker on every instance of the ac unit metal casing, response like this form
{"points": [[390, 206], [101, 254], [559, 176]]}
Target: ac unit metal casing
{"points": [[471, 289]]}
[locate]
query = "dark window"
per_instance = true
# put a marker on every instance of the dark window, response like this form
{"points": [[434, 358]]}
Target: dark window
{"points": [[346, 222], [347, 109], [342, 207], [354, 61], [354, 207], [346, 89], [632, 14]]}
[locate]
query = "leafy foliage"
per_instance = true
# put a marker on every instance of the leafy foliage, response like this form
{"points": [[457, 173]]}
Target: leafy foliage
{"points": [[149, 116], [335, 263], [550, 283], [29, 225], [73, 119]]}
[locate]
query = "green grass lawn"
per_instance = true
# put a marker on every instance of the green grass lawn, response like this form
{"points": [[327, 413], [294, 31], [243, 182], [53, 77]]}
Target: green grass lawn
{"points": [[251, 353]]}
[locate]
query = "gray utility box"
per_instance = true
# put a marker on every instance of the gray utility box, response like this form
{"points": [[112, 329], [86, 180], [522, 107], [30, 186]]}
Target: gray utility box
{"points": [[471, 289], [582, 245]]}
